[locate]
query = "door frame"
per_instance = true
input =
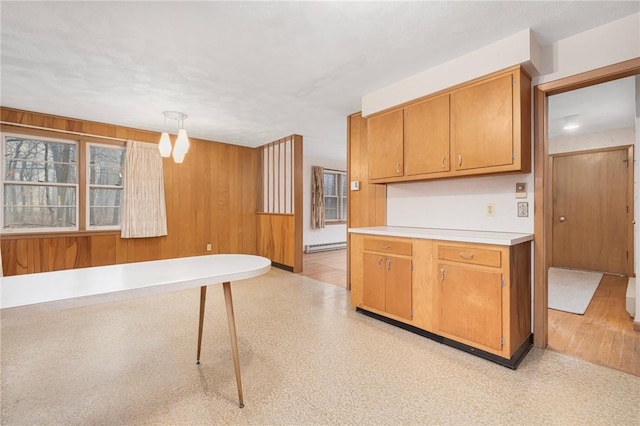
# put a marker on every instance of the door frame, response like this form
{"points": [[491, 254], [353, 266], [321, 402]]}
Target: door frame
{"points": [[542, 211], [630, 192]]}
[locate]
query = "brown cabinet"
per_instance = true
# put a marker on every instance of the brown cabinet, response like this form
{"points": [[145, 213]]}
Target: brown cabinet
{"points": [[385, 268], [476, 295], [486, 120], [481, 127], [386, 158], [426, 137], [483, 295]]}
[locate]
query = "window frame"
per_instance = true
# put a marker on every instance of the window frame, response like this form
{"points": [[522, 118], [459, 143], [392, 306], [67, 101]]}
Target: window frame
{"points": [[340, 196], [88, 186], [4, 182]]}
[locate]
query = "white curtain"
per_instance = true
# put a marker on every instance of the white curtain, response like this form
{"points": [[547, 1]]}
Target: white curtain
{"points": [[144, 211]]}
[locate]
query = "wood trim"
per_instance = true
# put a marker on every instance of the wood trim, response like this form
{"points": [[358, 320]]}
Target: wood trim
{"points": [[631, 213], [298, 200], [541, 196], [590, 78], [540, 221]]}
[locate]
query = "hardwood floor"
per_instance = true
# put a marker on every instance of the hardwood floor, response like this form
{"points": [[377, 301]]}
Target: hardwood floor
{"points": [[327, 266], [604, 334]]}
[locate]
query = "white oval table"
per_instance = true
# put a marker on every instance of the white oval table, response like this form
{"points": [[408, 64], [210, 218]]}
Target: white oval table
{"points": [[86, 286]]}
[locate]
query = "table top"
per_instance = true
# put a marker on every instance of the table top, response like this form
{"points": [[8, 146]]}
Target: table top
{"points": [[460, 235], [116, 282]]}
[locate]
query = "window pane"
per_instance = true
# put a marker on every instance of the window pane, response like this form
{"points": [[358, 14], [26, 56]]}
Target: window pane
{"points": [[330, 208], [343, 180], [104, 216], [330, 184], [39, 160], [39, 217], [343, 214], [101, 197], [39, 196], [32, 171], [106, 165]]}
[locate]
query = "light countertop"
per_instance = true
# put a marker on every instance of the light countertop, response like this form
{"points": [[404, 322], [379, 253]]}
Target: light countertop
{"points": [[465, 236]]}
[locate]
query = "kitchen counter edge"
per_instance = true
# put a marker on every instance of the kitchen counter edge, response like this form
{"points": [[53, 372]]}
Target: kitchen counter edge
{"points": [[457, 235]]}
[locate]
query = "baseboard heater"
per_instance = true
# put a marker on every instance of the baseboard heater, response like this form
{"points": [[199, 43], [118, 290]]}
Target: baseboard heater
{"points": [[312, 248]]}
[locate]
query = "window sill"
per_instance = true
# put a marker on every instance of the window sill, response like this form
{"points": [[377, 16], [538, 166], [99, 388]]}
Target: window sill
{"points": [[28, 235], [336, 222]]}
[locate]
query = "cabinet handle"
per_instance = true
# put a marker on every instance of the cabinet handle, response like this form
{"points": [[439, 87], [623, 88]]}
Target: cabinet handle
{"points": [[467, 256], [388, 264], [443, 159], [398, 168], [459, 160], [442, 274], [385, 247], [379, 263]]}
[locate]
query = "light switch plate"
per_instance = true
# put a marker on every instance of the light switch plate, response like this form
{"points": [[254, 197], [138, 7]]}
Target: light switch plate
{"points": [[521, 190], [355, 185]]}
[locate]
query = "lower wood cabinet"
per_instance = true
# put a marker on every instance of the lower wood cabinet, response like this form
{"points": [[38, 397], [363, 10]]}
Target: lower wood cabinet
{"points": [[476, 297], [387, 284], [386, 276]]}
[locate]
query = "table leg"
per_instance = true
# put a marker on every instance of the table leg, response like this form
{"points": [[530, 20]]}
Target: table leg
{"points": [[234, 343], [203, 299]]}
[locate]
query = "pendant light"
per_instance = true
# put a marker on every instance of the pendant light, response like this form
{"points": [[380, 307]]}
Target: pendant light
{"points": [[182, 142]]}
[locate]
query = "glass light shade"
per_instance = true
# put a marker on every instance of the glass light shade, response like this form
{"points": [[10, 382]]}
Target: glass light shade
{"points": [[182, 143], [178, 156], [165, 145]]}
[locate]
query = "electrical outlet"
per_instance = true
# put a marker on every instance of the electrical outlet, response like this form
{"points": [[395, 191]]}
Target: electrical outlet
{"points": [[523, 209], [208, 247], [490, 210]]}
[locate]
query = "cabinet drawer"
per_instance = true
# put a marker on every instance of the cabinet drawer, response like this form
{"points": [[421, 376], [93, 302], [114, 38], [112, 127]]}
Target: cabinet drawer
{"points": [[388, 246], [472, 255]]}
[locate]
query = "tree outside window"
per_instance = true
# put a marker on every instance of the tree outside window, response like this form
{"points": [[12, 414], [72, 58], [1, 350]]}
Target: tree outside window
{"points": [[40, 179], [40, 184], [104, 188]]}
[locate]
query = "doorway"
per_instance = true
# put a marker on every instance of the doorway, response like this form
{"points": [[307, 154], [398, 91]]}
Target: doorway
{"points": [[576, 327]]}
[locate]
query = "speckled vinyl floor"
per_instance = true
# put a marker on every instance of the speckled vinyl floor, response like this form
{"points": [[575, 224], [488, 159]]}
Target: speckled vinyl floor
{"points": [[307, 358]]}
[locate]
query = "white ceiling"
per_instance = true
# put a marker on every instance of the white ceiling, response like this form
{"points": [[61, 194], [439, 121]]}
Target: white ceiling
{"points": [[605, 106], [249, 73]]}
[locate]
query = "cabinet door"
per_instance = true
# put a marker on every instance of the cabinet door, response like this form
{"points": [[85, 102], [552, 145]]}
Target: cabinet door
{"points": [[482, 124], [426, 137], [471, 304], [385, 145], [373, 285], [398, 287]]}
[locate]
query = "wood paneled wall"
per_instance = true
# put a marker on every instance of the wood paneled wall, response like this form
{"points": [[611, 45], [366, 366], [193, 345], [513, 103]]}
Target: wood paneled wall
{"points": [[210, 199], [367, 206], [280, 234]]}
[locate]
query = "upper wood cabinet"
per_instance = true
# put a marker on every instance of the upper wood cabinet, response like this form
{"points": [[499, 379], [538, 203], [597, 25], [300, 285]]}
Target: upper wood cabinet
{"points": [[385, 145], [485, 124], [426, 136], [481, 127]]}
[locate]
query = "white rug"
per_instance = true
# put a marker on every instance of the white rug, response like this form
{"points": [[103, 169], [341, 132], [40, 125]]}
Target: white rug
{"points": [[571, 290]]}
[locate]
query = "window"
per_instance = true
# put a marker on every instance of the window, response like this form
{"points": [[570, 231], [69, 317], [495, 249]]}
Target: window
{"points": [[40, 184], [105, 168], [335, 196]]}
